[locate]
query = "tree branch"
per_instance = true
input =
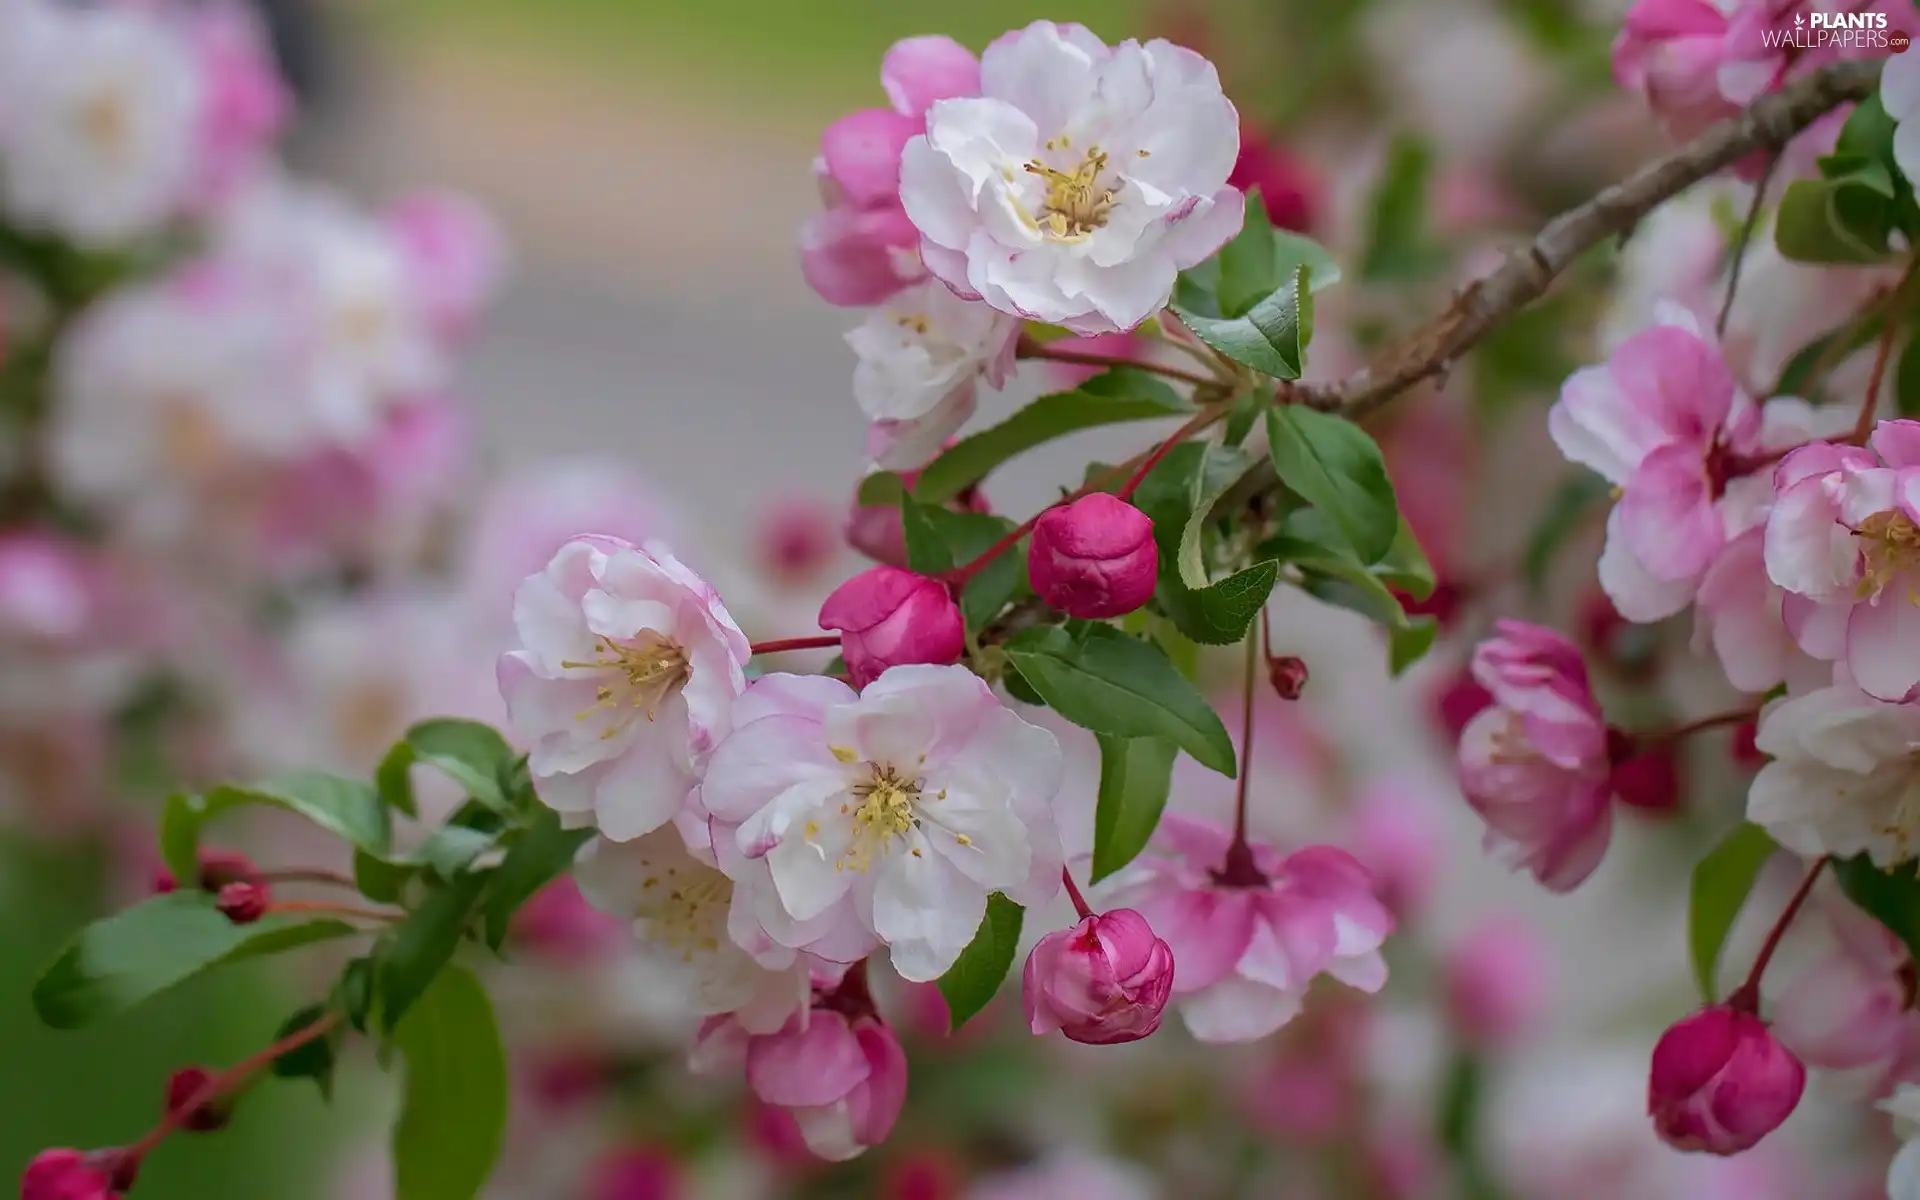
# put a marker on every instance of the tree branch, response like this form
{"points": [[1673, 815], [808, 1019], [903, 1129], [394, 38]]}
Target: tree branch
{"points": [[1529, 271]]}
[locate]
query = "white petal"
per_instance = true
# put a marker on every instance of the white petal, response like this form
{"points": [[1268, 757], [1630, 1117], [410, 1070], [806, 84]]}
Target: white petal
{"points": [[1237, 1010]]}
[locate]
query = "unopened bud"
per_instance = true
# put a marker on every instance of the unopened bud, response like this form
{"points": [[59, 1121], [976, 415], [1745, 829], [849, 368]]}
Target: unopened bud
{"points": [[1288, 674], [1721, 1081], [1102, 982], [1094, 558], [888, 617], [204, 1117], [244, 903], [70, 1175]]}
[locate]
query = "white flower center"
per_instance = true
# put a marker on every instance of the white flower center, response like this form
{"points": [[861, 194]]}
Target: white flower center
{"points": [[648, 670], [1889, 546], [685, 910], [1076, 202]]}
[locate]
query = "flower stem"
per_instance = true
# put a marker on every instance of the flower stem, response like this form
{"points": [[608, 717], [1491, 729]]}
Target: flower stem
{"points": [[304, 875], [1746, 236], [1863, 427], [216, 1087], [1073, 894], [1031, 349], [1689, 728], [319, 909], [818, 642], [1746, 997], [1239, 868]]}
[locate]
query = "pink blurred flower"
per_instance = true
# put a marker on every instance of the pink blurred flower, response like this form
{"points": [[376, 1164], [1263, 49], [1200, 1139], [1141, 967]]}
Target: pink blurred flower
{"points": [[1671, 51], [888, 617], [862, 249], [244, 102], [1248, 944], [1498, 982], [642, 1173], [455, 257], [1720, 1082], [843, 1080], [795, 539], [1535, 766], [559, 924], [1102, 982], [1290, 188], [1852, 1006], [1394, 830]]}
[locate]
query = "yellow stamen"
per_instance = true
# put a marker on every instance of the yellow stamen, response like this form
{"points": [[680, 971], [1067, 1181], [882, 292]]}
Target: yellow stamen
{"points": [[1076, 204], [1889, 546], [653, 666], [885, 812]]}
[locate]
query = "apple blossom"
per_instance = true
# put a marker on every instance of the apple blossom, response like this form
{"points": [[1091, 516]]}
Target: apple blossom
{"points": [[1842, 540], [884, 818], [1720, 1082], [1843, 779], [455, 258], [1535, 765], [245, 102], [1104, 981], [1497, 982], [921, 356], [1094, 558], [679, 903], [1081, 180], [862, 249], [1852, 1005], [623, 683], [1247, 952], [888, 617], [843, 1079], [1671, 52]]}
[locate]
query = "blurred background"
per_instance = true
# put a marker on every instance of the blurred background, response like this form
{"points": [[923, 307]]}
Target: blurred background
{"points": [[649, 164]]}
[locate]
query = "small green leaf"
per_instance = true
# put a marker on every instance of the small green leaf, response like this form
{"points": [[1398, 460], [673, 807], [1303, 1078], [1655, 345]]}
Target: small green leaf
{"points": [[1220, 468], [452, 849], [1397, 242], [393, 780], [1338, 469], [1719, 888], [472, 754], [1221, 614], [1249, 302], [927, 551], [1406, 566], [424, 943], [939, 540], [977, 974], [1891, 897], [1116, 396], [1844, 217], [121, 960], [1409, 643], [542, 853], [1570, 506], [881, 489], [1135, 774], [381, 880], [453, 1114], [345, 807], [1105, 681], [353, 993], [315, 1060]]}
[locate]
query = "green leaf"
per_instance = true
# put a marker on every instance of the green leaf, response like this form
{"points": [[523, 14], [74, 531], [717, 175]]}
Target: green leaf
{"points": [[1408, 644], [542, 853], [977, 974], [379, 879], [1844, 217], [424, 943], [1221, 614], [1397, 243], [345, 807], [121, 960], [1891, 897], [939, 540], [927, 551], [1720, 885], [1105, 681], [1220, 468], [1116, 396], [1251, 302], [452, 849], [315, 1060], [1406, 566], [1135, 774], [472, 754], [1569, 507], [393, 780], [453, 1113], [1248, 268], [881, 489], [1338, 469]]}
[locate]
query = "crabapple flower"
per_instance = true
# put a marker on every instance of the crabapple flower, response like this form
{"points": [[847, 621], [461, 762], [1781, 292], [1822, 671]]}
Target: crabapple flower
{"points": [[1080, 181], [1535, 764], [68, 1175], [679, 904], [1497, 982], [887, 617], [245, 101], [1843, 779], [1248, 950], [1671, 52], [1852, 1006], [1900, 96], [1664, 421], [1843, 541], [1094, 558], [625, 677], [843, 1080], [455, 257], [863, 249], [104, 118], [884, 818], [1720, 1082], [1903, 1174], [922, 354], [1102, 982]]}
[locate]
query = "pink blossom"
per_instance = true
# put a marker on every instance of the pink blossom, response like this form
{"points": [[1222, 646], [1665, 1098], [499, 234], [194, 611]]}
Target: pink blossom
{"points": [[1535, 765], [862, 248], [1249, 942], [1067, 1177], [888, 617], [795, 539], [1720, 1082], [1094, 558], [1498, 981], [1842, 540], [244, 102], [68, 1175], [47, 589], [1290, 188], [1851, 1006], [560, 924], [1104, 981], [455, 257], [843, 1080], [643, 1173], [1671, 51], [1394, 830]]}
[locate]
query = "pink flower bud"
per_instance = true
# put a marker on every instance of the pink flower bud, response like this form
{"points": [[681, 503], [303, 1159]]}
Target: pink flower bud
{"points": [[243, 903], [795, 540], [1103, 982], [1650, 780], [1287, 184], [1094, 558], [637, 1174], [218, 868], [887, 617], [186, 1084], [1288, 675], [1721, 1082], [1498, 980], [68, 1175], [1745, 750], [843, 1081]]}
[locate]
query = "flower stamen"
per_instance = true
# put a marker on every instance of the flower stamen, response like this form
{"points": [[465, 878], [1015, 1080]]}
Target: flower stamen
{"points": [[1890, 546], [654, 668], [1076, 204]]}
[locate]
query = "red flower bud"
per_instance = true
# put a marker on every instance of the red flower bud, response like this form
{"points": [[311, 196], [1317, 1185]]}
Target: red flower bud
{"points": [[1746, 750], [1102, 982], [69, 1175], [187, 1083], [218, 868], [1288, 674], [244, 903], [1721, 1081], [1094, 558], [887, 617], [1649, 780]]}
